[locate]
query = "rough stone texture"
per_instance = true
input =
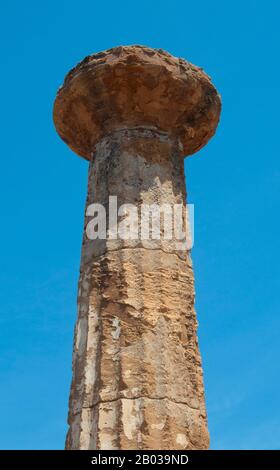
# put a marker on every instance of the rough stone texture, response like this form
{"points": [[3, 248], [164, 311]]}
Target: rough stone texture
{"points": [[137, 379], [136, 86], [137, 376]]}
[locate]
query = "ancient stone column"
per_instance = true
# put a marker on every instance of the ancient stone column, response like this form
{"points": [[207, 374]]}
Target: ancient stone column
{"points": [[134, 113]]}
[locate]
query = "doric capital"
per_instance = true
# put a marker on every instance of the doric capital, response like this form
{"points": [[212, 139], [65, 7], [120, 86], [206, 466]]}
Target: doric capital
{"points": [[136, 86]]}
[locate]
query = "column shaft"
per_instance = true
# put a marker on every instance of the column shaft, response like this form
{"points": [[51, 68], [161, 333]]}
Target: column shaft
{"points": [[137, 376]]}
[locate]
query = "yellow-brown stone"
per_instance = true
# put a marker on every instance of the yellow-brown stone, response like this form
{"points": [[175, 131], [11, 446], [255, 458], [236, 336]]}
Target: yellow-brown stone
{"points": [[137, 376], [136, 86]]}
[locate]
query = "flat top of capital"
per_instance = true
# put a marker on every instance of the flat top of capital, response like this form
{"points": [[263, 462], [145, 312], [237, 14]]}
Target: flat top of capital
{"points": [[136, 86]]}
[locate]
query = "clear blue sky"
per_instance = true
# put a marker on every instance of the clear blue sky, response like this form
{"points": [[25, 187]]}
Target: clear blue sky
{"points": [[233, 182]]}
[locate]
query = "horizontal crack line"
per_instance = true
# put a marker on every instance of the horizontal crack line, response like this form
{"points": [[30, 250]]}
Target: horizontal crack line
{"points": [[112, 400], [132, 248]]}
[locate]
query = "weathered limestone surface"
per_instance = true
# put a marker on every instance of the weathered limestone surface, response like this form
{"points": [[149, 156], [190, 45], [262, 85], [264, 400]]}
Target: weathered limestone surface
{"points": [[137, 376], [136, 86]]}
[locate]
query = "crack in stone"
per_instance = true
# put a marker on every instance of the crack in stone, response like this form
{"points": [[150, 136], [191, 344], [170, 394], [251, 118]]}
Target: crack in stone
{"points": [[137, 247], [99, 402]]}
